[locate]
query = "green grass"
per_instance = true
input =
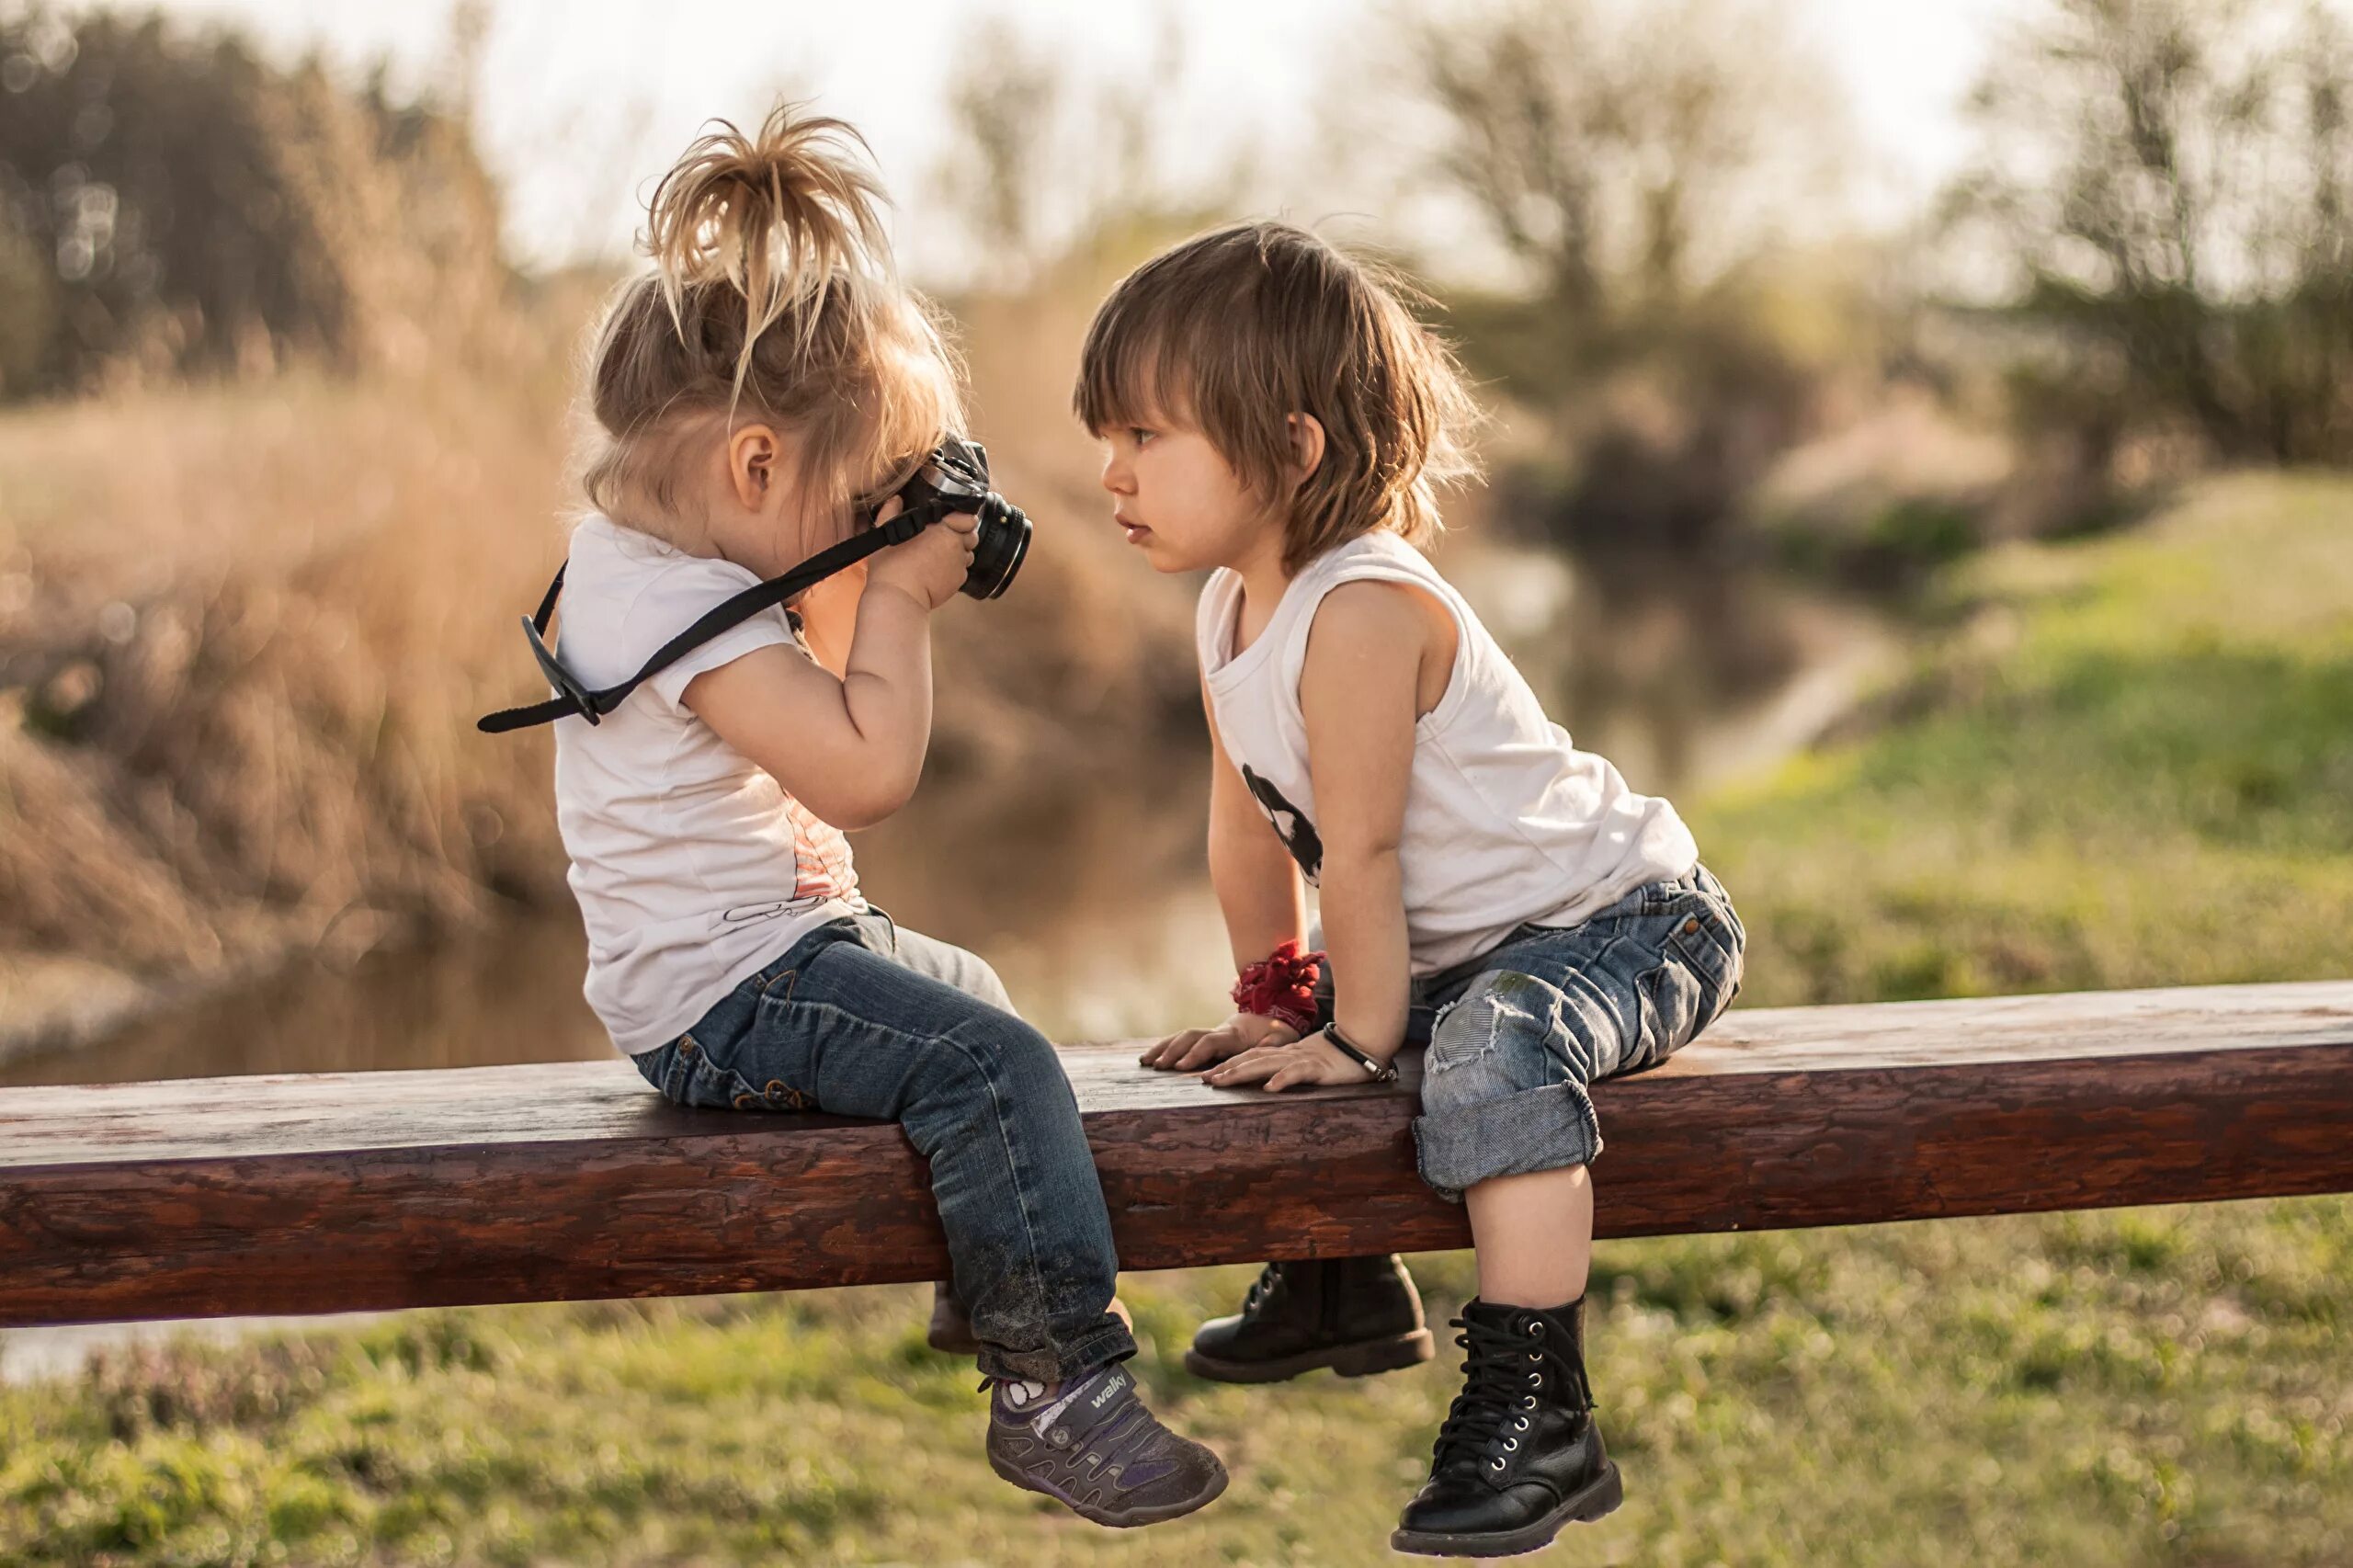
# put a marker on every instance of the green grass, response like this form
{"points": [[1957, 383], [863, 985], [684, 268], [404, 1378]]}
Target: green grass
{"points": [[2156, 1386], [2132, 763]]}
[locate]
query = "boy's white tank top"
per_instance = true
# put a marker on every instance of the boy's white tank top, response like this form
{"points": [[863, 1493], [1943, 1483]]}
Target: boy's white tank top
{"points": [[1506, 822]]}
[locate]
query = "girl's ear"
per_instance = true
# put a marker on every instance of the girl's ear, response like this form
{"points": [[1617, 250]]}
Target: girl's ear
{"points": [[1306, 445], [755, 465]]}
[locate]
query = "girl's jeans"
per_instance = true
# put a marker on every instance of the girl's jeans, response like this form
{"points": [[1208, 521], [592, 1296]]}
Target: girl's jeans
{"points": [[861, 1018]]}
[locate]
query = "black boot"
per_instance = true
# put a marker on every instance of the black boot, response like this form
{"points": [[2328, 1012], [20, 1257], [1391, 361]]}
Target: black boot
{"points": [[951, 1328], [1519, 1455], [1355, 1315]]}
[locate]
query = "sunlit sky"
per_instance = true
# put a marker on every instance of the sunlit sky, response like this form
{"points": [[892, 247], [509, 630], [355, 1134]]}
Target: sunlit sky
{"points": [[582, 101]]}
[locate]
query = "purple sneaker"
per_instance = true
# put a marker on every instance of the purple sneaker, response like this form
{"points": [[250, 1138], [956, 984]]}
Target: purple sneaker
{"points": [[1095, 1448]]}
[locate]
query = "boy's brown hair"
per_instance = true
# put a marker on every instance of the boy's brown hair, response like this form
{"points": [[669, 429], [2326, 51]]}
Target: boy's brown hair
{"points": [[1237, 329]]}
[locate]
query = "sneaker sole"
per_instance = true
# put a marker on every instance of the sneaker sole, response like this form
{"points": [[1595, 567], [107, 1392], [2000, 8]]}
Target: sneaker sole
{"points": [[1118, 1518], [1360, 1360], [1601, 1496]]}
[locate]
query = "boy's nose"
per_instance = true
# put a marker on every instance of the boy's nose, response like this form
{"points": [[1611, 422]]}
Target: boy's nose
{"points": [[1116, 477]]}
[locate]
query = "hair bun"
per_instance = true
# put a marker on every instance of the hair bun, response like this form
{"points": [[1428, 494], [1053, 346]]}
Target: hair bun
{"points": [[785, 216]]}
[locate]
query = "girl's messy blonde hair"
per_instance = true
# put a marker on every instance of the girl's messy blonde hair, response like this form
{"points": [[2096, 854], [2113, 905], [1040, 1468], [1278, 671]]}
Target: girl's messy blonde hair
{"points": [[1235, 330], [773, 297]]}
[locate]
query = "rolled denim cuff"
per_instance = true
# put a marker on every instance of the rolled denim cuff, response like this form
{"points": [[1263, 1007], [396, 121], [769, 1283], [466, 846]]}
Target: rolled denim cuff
{"points": [[1534, 1129], [1098, 1347]]}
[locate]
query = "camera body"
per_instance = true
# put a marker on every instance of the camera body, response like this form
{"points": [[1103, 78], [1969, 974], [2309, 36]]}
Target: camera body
{"points": [[955, 478]]}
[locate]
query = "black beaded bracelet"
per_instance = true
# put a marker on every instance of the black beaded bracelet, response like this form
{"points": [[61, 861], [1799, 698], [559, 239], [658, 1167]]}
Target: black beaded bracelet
{"points": [[1381, 1071]]}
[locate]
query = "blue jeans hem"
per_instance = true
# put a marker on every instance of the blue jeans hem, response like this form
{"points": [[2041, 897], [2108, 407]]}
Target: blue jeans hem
{"points": [[1535, 1130], [1098, 1347]]}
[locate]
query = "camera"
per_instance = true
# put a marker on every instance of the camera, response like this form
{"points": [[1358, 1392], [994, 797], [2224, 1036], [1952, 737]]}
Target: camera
{"points": [[955, 478]]}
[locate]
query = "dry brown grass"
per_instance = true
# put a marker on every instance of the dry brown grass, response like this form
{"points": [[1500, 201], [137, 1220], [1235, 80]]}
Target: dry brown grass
{"points": [[245, 628], [244, 631]]}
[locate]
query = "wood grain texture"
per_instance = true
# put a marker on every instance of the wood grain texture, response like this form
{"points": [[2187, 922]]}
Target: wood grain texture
{"points": [[551, 1182]]}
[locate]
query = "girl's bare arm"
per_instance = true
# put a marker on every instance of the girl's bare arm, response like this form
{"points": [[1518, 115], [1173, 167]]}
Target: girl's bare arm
{"points": [[829, 616], [849, 746]]}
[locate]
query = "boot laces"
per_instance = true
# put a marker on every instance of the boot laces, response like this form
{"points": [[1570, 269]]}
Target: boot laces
{"points": [[1262, 1287], [1497, 1368]]}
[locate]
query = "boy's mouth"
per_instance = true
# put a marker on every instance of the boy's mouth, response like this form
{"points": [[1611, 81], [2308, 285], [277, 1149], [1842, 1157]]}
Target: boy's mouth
{"points": [[1137, 533]]}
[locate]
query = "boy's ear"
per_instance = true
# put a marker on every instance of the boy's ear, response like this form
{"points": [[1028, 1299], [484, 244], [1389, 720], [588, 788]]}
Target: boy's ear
{"points": [[1306, 444], [755, 464]]}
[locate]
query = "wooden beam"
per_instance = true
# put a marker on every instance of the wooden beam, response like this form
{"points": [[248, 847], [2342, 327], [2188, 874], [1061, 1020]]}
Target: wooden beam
{"points": [[334, 1192]]}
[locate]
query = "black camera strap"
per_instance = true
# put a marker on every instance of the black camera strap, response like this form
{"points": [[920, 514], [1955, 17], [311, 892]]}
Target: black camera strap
{"points": [[573, 697]]}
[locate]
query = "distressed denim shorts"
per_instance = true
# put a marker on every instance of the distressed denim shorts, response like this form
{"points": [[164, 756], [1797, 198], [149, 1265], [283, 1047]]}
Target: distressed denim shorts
{"points": [[1519, 1034]]}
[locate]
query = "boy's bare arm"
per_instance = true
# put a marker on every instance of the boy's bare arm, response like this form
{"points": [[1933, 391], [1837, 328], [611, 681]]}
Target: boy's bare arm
{"points": [[1258, 883], [1358, 693], [1263, 900]]}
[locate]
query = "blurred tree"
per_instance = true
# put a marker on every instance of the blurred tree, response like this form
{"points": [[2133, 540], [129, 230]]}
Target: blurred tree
{"points": [[1640, 165], [2163, 185], [193, 206], [1053, 178], [1624, 156], [1006, 101]]}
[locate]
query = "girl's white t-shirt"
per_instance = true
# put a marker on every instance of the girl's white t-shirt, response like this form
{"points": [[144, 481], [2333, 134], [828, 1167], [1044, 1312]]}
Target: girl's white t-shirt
{"points": [[1506, 822], [693, 868]]}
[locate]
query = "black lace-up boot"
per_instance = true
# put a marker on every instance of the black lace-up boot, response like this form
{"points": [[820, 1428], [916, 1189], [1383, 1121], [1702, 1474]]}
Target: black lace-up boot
{"points": [[1356, 1315], [1519, 1455]]}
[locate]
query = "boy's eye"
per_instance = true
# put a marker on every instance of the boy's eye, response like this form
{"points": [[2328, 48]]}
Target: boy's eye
{"points": [[1140, 435]]}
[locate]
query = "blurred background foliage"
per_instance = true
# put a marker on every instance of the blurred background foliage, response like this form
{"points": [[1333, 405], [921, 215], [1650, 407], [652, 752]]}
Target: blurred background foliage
{"points": [[1980, 580]]}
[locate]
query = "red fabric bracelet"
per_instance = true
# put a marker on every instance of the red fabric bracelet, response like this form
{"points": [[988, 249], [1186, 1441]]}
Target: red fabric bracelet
{"points": [[1281, 986]]}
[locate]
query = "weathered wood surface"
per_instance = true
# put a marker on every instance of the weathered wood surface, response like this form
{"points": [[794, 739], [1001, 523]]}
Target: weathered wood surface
{"points": [[511, 1184]]}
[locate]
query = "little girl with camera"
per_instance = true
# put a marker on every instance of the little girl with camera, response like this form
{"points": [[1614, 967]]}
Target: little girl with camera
{"points": [[1277, 416], [751, 397]]}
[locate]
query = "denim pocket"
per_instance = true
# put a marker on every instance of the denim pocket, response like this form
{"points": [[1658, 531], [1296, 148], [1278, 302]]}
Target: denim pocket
{"points": [[692, 1078], [1708, 943], [696, 1080], [1675, 1003], [1704, 939]]}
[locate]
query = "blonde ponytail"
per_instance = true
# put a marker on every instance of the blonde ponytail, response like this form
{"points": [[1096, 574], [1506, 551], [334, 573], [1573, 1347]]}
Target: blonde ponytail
{"points": [[773, 291], [783, 219]]}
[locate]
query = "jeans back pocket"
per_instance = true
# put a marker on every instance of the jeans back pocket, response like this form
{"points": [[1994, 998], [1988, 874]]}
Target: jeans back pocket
{"points": [[686, 1075]]}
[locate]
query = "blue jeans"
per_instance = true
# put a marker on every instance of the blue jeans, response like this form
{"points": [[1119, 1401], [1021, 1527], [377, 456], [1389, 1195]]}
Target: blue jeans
{"points": [[861, 1018], [1519, 1034]]}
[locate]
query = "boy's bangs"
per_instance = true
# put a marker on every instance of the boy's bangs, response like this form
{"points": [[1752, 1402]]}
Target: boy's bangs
{"points": [[1131, 374], [1236, 330]]}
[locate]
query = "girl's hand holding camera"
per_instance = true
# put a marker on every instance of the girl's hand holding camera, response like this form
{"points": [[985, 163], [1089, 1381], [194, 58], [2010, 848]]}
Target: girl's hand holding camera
{"points": [[930, 567], [849, 745]]}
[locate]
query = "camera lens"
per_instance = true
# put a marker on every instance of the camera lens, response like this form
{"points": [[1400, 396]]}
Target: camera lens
{"points": [[1001, 545]]}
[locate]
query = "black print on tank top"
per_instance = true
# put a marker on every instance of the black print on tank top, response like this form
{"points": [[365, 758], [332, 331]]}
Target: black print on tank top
{"points": [[1290, 823]]}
